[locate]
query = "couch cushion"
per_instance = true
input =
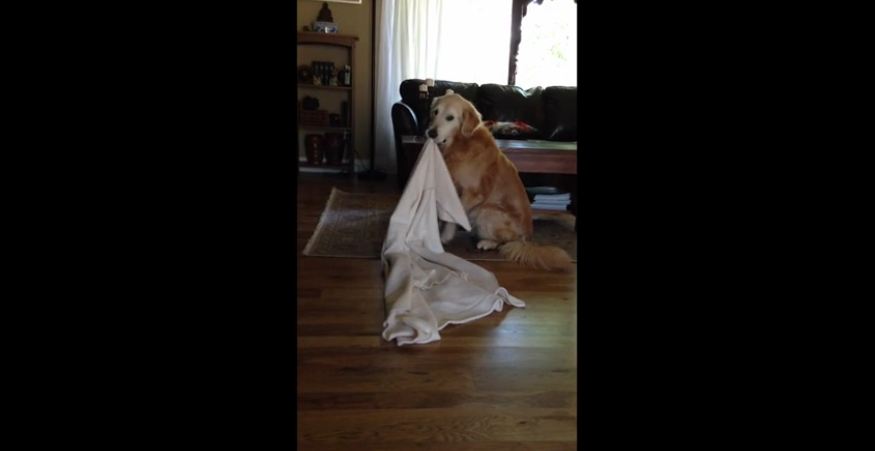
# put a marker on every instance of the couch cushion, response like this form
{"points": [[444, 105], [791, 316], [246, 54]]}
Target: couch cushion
{"points": [[560, 113], [410, 93], [410, 90], [504, 103]]}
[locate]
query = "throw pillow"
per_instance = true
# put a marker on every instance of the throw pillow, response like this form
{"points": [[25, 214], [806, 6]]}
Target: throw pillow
{"points": [[510, 130]]}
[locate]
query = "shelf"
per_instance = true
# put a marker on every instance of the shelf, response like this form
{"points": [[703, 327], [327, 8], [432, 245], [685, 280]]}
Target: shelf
{"points": [[347, 43], [343, 40], [304, 164], [563, 216], [317, 127], [542, 212], [329, 88]]}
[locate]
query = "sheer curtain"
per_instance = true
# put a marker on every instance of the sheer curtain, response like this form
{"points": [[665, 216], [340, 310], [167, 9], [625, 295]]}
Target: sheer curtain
{"points": [[455, 40]]}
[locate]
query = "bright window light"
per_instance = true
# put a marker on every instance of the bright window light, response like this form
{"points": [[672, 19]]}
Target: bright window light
{"points": [[474, 41], [548, 46]]}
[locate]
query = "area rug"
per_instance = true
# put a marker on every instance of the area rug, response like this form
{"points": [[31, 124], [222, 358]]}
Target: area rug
{"points": [[354, 225]]}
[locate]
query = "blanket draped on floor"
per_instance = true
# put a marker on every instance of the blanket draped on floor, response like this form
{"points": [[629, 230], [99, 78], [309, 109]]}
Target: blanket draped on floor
{"points": [[427, 288]]}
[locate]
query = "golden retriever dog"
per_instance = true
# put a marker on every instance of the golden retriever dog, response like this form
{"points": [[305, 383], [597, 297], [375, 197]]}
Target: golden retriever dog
{"points": [[488, 184]]}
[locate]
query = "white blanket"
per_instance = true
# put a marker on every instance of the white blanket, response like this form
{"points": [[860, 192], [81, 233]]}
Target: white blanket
{"points": [[427, 288]]}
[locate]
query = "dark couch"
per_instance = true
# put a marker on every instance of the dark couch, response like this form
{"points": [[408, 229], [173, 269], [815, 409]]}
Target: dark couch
{"points": [[552, 111]]}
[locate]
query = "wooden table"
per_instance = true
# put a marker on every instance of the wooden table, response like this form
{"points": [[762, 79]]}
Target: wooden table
{"points": [[529, 156], [535, 156]]}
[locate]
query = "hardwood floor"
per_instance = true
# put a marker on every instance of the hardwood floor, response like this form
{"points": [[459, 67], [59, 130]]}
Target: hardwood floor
{"points": [[505, 382]]}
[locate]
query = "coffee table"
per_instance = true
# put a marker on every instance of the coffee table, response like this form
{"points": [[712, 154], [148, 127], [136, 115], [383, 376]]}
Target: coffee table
{"points": [[529, 156]]}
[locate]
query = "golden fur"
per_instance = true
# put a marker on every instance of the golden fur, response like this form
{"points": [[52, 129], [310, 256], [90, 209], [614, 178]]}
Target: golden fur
{"points": [[488, 184]]}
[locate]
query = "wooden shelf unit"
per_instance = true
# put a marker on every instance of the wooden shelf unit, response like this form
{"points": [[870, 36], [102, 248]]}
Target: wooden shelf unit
{"points": [[347, 42], [327, 128], [330, 88]]}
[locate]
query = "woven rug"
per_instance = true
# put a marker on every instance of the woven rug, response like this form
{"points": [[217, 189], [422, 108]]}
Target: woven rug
{"points": [[353, 225]]}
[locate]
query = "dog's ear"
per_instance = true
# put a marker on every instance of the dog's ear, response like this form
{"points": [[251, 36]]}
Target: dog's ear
{"points": [[470, 120]]}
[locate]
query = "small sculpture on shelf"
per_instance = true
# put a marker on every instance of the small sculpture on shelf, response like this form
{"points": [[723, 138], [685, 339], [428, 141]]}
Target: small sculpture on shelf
{"points": [[305, 74], [324, 22], [333, 80], [347, 75], [325, 14]]}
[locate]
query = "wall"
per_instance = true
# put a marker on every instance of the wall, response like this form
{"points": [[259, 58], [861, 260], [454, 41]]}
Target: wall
{"points": [[351, 19]]}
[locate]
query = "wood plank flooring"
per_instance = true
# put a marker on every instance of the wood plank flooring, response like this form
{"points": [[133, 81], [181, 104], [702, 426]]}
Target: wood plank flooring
{"points": [[504, 382]]}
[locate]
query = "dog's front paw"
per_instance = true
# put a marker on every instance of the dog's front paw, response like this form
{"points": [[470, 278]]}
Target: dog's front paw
{"points": [[485, 245], [448, 233]]}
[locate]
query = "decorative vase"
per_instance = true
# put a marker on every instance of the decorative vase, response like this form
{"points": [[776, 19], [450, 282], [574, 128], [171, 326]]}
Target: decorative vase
{"points": [[334, 148], [315, 148]]}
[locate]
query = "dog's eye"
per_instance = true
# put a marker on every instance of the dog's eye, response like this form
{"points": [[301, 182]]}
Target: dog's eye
{"points": [[449, 118], [435, 112]]}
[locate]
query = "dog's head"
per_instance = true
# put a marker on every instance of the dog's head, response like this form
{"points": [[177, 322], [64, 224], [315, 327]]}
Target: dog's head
{"points": [[451, 114]]}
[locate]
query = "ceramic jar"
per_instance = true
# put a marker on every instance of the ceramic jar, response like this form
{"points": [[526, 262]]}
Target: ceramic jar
{"points": [[314, 145], [334, 148]]}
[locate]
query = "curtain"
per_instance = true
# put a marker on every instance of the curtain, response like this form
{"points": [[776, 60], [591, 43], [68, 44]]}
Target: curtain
{"points": [[454, 40]]}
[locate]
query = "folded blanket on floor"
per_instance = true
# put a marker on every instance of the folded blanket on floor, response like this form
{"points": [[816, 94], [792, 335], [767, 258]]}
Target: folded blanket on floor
{"points": [[427, 288]]}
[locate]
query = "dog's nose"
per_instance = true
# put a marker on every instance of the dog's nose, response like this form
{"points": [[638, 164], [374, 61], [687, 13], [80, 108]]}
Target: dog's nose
{"points": [[432, 133]]}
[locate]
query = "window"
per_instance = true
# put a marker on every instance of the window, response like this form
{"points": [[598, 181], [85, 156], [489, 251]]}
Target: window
{"points": [[471, 39], [546, 54]]}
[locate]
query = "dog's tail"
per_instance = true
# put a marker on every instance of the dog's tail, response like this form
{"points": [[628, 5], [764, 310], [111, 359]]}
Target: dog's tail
{"points": [[534, 255]]}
